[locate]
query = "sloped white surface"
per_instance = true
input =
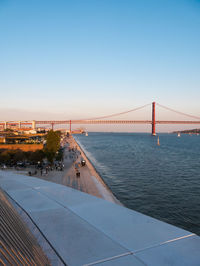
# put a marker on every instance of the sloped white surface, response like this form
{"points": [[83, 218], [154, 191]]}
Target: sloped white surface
{"points": [[86, 230]]}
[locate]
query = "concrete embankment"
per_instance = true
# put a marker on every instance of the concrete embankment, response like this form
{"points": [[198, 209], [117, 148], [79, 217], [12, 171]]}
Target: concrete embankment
{"points": [[98, 182]]}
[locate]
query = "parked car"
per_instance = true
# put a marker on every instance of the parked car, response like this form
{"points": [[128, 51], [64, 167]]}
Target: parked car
{"points": [[20, 164]]}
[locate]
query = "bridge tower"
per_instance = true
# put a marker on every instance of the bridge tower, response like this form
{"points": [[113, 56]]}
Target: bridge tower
{"points": [[153, 119]]}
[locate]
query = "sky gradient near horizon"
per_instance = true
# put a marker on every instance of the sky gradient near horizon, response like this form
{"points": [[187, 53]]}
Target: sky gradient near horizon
{"points": [[76, 59]]}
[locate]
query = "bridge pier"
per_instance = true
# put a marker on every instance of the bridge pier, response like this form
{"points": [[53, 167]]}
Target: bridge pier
{"points": [[153, 119]]}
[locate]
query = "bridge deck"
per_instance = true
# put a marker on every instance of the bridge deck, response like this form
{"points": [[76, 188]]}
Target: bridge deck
{"points": [[85, 230]]}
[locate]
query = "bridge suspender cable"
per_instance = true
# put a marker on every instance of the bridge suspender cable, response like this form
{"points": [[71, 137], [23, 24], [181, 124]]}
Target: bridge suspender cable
{"points": [[178, 112]]}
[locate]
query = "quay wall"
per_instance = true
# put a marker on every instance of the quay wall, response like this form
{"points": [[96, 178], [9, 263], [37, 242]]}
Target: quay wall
{"points": [[102, 186]]}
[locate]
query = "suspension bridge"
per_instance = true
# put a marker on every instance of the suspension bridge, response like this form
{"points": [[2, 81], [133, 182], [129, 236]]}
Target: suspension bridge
{"points": [[107, 120]]}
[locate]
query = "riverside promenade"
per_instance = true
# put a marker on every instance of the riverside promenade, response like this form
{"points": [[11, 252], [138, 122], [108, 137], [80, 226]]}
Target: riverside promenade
{"points": [[89, 180]]}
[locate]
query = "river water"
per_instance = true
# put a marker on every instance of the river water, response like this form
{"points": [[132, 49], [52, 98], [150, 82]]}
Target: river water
{"points": [[160, 181]]}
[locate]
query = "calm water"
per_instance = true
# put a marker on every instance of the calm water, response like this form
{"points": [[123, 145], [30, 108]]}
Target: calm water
{"points": [[160, 181]]}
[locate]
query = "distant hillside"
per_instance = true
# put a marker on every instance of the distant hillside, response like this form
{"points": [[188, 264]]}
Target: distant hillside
{"points": [[189, 131]]}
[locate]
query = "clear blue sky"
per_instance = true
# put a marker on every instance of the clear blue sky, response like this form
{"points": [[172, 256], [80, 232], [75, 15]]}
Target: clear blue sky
{"points": [[72, 59]]}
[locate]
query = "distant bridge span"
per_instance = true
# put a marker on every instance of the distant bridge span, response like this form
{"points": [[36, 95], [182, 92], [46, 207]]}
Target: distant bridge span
{"points": [[102, 120], [89, 122]]}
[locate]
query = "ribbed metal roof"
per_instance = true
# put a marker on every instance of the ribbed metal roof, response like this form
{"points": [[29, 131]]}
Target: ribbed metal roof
{"points": [[18, 245]]}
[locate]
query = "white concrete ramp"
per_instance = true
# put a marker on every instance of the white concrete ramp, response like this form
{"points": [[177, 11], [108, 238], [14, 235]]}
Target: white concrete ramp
{"points": [[85, 230]]}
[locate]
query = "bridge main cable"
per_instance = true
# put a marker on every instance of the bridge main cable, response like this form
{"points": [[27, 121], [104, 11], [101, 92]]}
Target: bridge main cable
{"points": [[178, 112], [116, 114]]}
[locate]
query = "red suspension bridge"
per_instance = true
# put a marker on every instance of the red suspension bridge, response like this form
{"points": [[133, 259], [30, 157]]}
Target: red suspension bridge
{"points": [[107, 120]]}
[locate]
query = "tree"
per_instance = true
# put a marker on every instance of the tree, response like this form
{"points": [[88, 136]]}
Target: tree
{"points": [[19, 156], [4, 157], [28, 155], [52, 145], [59, 155], [37, 156]]}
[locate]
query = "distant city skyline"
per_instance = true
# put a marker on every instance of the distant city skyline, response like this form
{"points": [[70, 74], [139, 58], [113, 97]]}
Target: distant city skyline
{"points": [[78, 59]]}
